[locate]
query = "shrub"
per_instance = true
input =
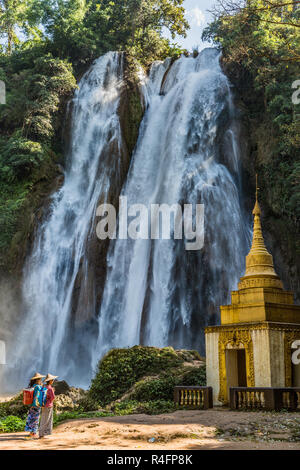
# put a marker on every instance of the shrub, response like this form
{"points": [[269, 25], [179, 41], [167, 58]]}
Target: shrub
{"points": [[18, 156], [156, 389], [14, 407], [12, 424], [121, 368], [196, 376], [128, 407], [87, 404], [162, 388]]}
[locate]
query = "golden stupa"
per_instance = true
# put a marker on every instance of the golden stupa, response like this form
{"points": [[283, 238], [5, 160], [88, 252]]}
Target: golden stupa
{"points": [[260, 295], [253, 345]]}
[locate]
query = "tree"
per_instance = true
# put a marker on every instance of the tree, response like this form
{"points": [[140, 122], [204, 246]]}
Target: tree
{"points": [[19, 18], [263, 27], [81, 30], [260, 42]]}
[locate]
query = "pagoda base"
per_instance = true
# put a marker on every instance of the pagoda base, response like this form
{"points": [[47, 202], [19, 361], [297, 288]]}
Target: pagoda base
{"points": [[257, 354]]}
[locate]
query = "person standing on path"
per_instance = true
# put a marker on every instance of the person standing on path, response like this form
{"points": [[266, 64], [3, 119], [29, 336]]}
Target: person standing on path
{"points": [[46, 424], [32, 422]]}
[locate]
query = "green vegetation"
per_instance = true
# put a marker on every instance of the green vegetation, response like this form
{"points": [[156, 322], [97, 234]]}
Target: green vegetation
{"points": [[13, 407], [260, 42], [36, 87], [12, 424], [109, 385], [148, 374], [154, 407], [163, 386]]}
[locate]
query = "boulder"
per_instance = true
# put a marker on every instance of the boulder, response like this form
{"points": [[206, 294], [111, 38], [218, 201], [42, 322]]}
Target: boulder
{"points": [[61, 387]]}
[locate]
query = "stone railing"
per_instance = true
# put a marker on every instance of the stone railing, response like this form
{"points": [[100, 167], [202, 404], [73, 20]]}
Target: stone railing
{"points": [[193, 397], [265, 398]]}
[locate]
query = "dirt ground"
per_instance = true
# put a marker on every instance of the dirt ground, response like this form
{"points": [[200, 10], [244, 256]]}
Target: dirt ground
{"points": [[184, 430]]}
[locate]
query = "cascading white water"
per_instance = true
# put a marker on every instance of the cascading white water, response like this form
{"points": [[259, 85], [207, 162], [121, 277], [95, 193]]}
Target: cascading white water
{"points": [[44, 341], [156, 292]]}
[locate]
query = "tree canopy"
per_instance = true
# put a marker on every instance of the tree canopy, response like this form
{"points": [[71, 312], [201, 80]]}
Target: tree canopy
{"points": [[260, 41], [80, 30]]}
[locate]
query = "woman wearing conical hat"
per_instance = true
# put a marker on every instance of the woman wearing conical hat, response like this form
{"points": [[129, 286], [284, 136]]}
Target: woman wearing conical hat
{"points": [[46, 424], [32, 422]]}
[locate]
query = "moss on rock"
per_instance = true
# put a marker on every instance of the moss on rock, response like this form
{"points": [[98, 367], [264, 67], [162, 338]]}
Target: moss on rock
{"points": [[144, 374]]}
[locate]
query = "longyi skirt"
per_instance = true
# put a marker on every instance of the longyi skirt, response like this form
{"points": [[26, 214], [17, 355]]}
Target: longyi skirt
{"points": [[32, 422]]}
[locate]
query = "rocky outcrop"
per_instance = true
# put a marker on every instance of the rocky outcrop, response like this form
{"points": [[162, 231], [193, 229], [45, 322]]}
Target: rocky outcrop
{"points": [[70, 400]]}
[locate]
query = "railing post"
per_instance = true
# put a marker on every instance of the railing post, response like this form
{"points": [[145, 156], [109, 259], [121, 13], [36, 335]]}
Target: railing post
{"points": [[177, 395], [233, 398], [194, 396], [293, 399], [207, 398], [278, 399], [210, 397], [269, 399]]}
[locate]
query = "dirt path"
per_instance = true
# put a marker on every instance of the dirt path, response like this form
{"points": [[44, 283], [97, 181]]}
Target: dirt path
{"points": [[189, 430]]}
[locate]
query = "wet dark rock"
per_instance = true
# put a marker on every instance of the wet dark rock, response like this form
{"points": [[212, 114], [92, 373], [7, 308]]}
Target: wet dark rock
{"points": [[61, 387]]}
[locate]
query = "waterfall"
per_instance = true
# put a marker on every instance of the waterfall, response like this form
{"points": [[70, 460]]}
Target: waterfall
{"points": [[48, 339], [156, 292]]}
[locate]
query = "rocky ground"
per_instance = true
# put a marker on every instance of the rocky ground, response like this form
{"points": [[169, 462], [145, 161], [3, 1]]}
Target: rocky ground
{"points": [[189, 430]]}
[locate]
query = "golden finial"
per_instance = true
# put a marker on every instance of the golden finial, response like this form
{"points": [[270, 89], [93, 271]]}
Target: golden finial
{"points": [[256, 210], [259, 261], [257, 188]]}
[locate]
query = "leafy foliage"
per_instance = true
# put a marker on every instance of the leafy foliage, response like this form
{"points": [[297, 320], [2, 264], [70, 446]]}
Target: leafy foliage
{"points": [[34, 93], [12, 424], [152, 407], [152, 371], [19, 156], [196, 376], [162, 387], [82, 30], [260, 43], [108, 384], [19, 16], [36, 88], [14, 407]]}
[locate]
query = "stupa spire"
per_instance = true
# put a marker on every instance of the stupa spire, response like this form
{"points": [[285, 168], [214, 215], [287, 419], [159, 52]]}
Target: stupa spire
{"points": [[258, 243], [260, 296], [259, 262]]}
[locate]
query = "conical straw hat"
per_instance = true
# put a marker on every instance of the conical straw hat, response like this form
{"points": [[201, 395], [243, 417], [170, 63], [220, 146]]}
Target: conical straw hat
{"points": [[37, 375], [50, 377]]}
